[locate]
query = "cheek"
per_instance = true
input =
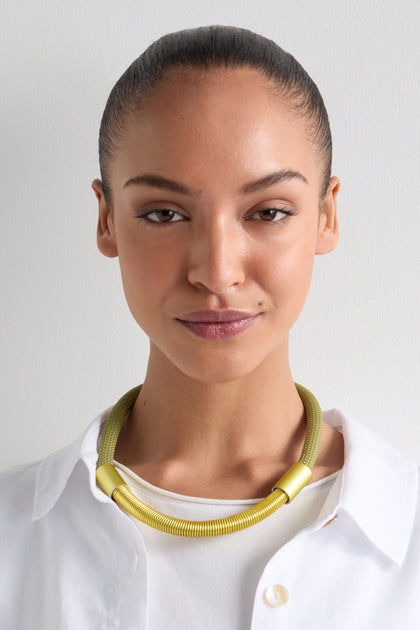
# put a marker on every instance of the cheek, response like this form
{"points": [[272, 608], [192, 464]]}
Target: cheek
{"points": [[287, 272], [147, 272]]}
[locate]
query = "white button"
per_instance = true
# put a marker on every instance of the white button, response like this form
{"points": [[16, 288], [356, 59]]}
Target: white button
{"points": [[276, 595]]}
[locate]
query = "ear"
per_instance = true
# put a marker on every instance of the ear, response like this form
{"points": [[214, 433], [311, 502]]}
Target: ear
{"points": [[327, 237], [105, 234]]}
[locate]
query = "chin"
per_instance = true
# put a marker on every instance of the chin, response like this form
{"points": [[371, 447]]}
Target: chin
{"points": [[220, 368], [214, 363]]}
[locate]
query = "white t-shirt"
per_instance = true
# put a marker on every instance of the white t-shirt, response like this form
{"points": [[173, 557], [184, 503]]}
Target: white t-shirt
{"points": [[177, 563]]}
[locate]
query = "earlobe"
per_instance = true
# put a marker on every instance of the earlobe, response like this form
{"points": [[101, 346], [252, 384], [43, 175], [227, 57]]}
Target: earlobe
{"points": [[328, 233], [105, 233]]}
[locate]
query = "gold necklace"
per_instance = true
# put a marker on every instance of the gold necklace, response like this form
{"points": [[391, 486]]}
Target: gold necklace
{"points": [[290, 484]]}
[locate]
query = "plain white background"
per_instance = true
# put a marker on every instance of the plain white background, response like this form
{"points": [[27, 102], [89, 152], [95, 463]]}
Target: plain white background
{"points": [[69, 345]]}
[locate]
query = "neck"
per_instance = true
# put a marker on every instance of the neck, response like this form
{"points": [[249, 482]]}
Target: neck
{"points": [[233, 438]]}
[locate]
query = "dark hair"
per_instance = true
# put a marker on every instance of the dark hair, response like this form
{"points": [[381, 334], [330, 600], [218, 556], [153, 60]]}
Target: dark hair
{"points": [[209, 47]]}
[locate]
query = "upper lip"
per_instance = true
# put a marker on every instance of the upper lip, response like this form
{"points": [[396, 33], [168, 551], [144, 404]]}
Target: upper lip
{"points": [[215, 316]]}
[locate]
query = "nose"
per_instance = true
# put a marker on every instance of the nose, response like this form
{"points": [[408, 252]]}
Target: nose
{"points": [[216, 257]]}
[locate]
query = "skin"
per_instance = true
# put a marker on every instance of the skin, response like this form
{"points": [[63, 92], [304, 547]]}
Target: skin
{"points": [[218, 418]]}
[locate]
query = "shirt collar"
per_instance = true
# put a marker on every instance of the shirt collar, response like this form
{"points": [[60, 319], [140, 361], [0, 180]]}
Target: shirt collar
{"points": [[54, 471], [377, 486]]}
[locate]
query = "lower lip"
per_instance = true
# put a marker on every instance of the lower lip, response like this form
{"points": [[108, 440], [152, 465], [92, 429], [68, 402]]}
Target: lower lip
{"points": [[218, 330]]}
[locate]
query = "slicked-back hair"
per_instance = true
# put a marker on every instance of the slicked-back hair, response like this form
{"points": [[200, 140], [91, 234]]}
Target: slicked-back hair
{"points": [[205, 48]]}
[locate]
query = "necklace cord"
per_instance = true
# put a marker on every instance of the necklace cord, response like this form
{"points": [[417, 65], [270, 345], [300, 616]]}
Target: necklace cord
{"points": [[282, 492]]}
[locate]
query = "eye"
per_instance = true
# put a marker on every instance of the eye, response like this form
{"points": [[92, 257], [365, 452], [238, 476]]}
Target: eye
{"points": [[273, 215], [161, 216]]}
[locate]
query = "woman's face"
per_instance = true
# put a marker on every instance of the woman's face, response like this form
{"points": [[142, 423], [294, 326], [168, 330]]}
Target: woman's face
{"points": [[216, 208]]}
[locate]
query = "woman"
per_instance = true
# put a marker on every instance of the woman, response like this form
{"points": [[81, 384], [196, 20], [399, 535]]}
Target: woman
{"points": [[217, 494]]}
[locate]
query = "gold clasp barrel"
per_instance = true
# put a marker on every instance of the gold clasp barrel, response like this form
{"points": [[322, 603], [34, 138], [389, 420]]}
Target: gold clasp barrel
{"points": [[108, 478], [294, 480]]}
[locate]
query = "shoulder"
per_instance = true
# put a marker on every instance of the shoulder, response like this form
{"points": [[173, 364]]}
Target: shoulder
{"points": [[52, 516], [414, 545], [36, 503], [17, 488], [30, 491], [380, 489]]}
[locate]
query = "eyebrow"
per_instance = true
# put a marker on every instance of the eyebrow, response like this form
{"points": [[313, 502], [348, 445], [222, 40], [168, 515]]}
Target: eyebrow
{"points": [[157, 181]]}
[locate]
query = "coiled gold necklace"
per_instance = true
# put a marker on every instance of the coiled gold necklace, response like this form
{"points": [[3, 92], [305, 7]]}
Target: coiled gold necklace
{"points": [[286, 488]]}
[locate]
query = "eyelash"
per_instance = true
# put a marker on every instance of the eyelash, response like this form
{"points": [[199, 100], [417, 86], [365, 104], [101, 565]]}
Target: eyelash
{"points": [[145, 215]]}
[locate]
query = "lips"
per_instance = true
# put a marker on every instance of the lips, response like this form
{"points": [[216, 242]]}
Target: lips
{"points": [[217, 324], [216, 316]]}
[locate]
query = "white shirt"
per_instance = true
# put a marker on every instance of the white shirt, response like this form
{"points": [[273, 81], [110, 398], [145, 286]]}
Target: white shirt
{"points": [[72, 559]]}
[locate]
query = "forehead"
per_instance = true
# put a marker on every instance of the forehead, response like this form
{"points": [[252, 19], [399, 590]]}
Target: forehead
{"points": [[194, 120], [217, 89]]}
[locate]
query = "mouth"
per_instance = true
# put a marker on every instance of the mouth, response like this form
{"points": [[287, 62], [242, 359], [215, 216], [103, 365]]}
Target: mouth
{"points": [[217, 324]]}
